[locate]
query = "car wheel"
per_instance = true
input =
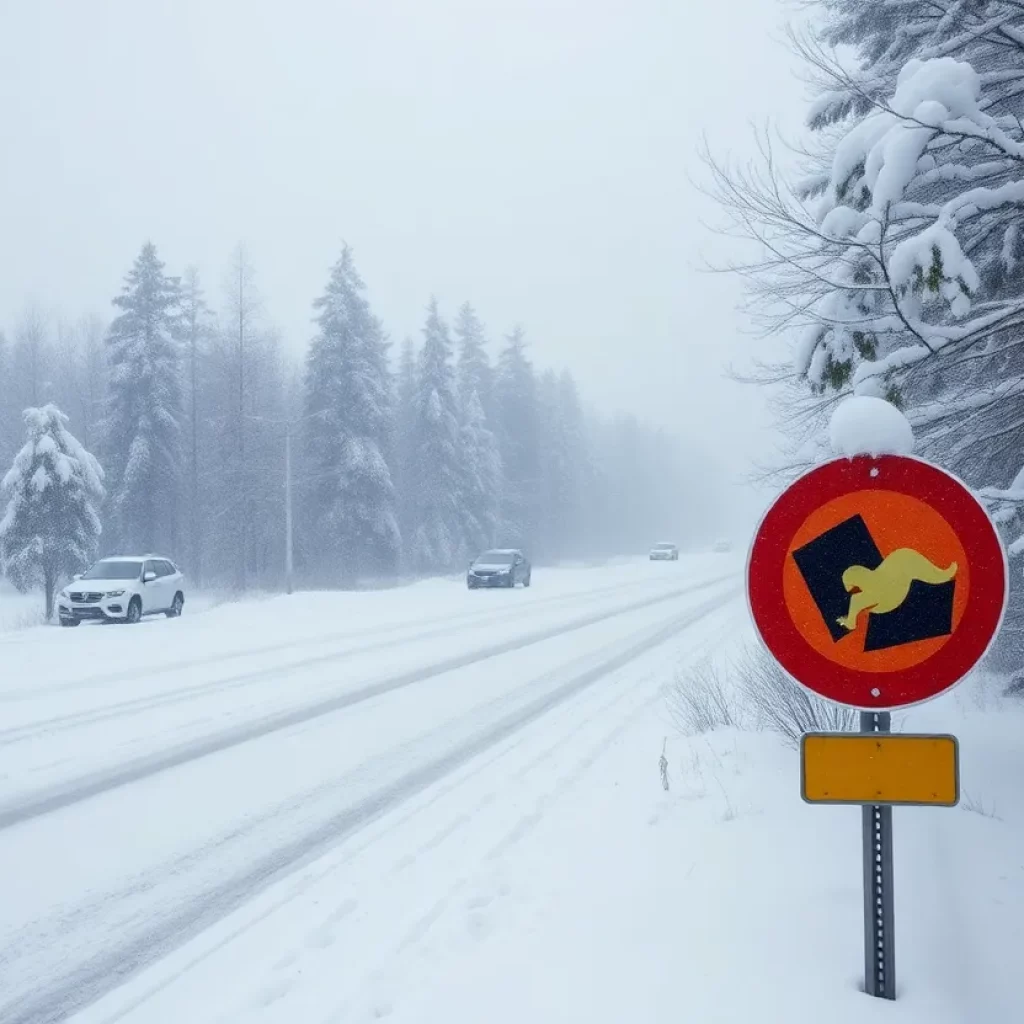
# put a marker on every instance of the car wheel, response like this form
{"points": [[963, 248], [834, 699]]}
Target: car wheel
{"points": [[177, 604], [134, 611], [69, 622]]}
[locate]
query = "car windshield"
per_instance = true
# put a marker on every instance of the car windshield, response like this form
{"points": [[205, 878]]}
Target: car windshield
{"points": [[664, 547], [114, 570], [495, 558]]}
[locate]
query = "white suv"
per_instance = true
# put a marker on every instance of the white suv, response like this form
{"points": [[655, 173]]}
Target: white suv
{"points": [[123, 589]]}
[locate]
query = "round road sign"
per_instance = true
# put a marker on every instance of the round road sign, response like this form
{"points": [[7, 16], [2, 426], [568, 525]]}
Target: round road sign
{"points": [[877, 582]]}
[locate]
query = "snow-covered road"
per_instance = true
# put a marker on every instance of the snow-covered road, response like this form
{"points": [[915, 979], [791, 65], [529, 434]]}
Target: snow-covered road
{"points": [[163, 789]]}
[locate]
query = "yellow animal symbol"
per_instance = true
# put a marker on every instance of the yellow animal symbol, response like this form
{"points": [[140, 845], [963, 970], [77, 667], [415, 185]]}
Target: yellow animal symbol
{"points": [[884, 589]]}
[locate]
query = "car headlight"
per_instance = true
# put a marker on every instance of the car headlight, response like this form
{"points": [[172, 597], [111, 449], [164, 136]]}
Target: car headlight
{"points": [[115, 593]]}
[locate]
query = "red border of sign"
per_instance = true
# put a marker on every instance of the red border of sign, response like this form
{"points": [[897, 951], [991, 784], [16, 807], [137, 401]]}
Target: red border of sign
{"points": [[982, 617]]}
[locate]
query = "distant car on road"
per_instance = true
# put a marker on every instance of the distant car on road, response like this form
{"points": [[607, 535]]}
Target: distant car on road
{"points": [[721, 546], [664, 552], [502, 567], [123, 589]]}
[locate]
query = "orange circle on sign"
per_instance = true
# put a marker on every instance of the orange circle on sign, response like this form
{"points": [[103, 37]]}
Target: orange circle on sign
{"points": [[895, 521]]}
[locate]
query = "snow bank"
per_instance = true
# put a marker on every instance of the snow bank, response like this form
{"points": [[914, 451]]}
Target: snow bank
{"points": [[19, 611], [870, 426]]}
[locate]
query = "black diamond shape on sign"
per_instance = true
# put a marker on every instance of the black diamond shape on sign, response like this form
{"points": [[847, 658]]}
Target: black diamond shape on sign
{"points": [[823, 561], [926, 613]]}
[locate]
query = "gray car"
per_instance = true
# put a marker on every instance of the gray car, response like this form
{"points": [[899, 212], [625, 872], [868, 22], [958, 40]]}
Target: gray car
{"points": [[502, 567]]}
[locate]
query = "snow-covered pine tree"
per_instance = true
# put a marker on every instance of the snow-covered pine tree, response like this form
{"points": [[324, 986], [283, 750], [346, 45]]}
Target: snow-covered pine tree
{"points": [[481, 492], [90, 332], [77, 378], [7, 406], [475, 376], [51, 526], [31, 358], [833, 233], [437, 543], [883, 36], [243, 392], [196, 329], [915, 219], [518, 431], [579, 468], [565, 467], [244, 353], [144, 408], [404, 430], [349, 409]]}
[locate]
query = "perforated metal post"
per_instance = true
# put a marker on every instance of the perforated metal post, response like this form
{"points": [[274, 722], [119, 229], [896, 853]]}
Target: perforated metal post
{"points": [[879, 940]]}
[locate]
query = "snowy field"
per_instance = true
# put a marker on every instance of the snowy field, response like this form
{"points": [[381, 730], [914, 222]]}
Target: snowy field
{"points": [[425, 805]]}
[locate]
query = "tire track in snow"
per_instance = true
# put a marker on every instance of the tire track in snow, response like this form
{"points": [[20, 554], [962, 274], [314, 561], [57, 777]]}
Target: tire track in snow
{"points": [[388, 631], [134, 705], [550, 793], [53, 798], [95, 977], [448, 845]]}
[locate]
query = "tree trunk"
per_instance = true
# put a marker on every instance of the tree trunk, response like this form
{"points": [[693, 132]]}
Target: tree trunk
{"points": [[49, 586]]}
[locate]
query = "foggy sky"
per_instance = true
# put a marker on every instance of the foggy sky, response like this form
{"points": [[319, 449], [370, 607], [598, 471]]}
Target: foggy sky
{"points": [[530, 156]]}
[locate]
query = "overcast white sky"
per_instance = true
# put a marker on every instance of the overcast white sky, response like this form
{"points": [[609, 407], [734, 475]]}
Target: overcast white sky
{"points": [[531, 156]]}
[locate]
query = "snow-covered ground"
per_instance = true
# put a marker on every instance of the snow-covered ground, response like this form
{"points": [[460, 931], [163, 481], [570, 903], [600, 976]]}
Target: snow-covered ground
{"points": [[425, 805], [18, 611]]}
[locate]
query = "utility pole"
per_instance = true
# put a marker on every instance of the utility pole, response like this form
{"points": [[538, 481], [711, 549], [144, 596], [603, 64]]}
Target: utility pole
{"points": [[242, 472], [288, 563]]}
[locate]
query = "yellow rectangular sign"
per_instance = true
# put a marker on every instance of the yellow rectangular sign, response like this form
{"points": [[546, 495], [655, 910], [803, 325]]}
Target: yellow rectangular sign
{"points": [[880, 768]]}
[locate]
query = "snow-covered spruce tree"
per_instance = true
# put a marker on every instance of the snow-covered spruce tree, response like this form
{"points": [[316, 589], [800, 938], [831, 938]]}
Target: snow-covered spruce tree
{"points": [[51, 526], [91, 378], [196, 329], [475, 375], [948, 144], [144, 408], [879, 176], [437, 542], [32, 358], [565, 468], [243, 364], [481, 490], [349, 407], [518, 430], [244, 388], [884, 35], [7, 406], [404, 445]]}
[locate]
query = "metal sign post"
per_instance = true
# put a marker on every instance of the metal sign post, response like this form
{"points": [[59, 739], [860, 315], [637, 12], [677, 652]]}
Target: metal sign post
{"points": [[879, 915]]}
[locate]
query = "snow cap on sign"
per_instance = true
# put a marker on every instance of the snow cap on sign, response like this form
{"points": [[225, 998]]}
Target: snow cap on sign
{"points": [[863, 425]]}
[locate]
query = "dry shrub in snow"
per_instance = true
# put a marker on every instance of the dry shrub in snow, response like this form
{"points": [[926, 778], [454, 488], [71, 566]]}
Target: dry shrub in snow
{"points": [[782, 706], [699, 701], [753, 689]]}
